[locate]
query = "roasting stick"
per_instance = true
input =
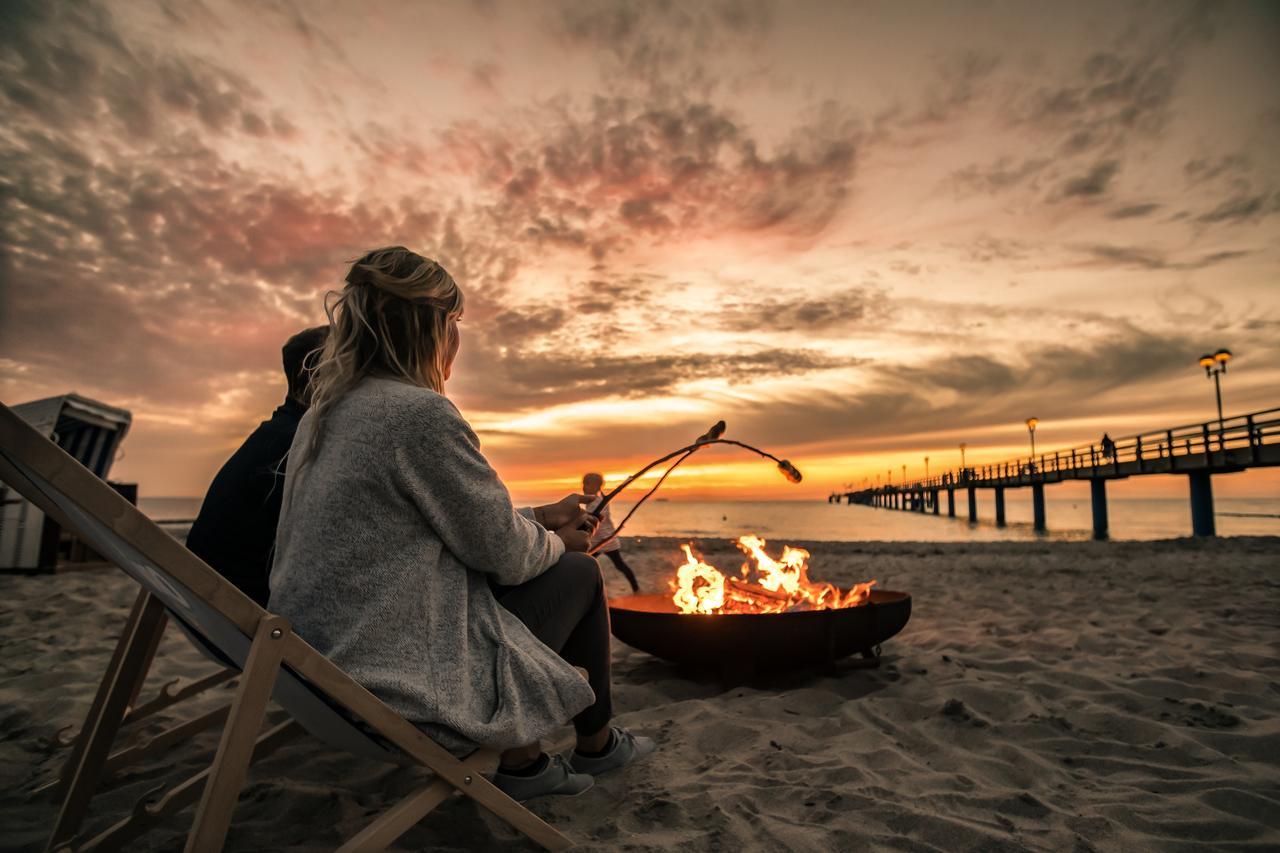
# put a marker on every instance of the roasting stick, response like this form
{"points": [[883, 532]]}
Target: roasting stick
{"points": [[711, 436]]}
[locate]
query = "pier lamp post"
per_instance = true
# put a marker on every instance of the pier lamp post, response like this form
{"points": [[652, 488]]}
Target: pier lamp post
{"points": [[926, 467], [1031, 428], [962, 449], [1215, 365]]}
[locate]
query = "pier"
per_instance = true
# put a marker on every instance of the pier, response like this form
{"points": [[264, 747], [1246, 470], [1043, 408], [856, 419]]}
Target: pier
{"points": [[1198, 451]]}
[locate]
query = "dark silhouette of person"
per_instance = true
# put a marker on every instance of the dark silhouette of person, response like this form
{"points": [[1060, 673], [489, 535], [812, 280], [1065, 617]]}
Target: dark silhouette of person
{"points": [[1108, 447], [235, 531], [592, 486]]}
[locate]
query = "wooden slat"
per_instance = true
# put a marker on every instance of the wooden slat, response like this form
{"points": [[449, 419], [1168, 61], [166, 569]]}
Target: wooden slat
{"points": [[400, 818], [101, 727], [231, 764], [146, 813]]}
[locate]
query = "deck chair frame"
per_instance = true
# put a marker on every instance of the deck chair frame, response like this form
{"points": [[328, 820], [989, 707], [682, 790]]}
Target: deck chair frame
{"points": [[170, 693], [277, 660]]}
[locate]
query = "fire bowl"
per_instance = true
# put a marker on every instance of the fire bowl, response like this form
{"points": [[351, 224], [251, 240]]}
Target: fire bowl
{"points": [[759, 641]]}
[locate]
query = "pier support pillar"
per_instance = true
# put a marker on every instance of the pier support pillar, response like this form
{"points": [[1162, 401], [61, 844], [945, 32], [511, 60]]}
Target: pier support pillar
{"points": [[1037, 505], [935, 501], [973, 505], [951, 503], [1202, 523], [999, 490], [920, 501], [1098, 489]]}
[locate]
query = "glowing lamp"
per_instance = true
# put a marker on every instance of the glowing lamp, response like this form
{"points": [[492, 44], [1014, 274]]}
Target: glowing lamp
{"points": [[1031, 422], [1206, 361], [1223, 356]]}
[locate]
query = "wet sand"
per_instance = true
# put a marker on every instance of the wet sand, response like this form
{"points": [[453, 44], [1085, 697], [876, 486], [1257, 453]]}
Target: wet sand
{"points": [[1045, 696]]}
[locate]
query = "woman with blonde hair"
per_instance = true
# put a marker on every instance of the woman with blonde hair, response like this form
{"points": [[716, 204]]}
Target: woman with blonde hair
{"points": [[399, 554]]}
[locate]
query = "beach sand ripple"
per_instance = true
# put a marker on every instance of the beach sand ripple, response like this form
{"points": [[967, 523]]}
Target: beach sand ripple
{"points": [[1045, 696]]}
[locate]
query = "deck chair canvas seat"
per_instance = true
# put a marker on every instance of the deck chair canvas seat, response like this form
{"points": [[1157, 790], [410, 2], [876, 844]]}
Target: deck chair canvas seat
{"points": [[274, 662]]}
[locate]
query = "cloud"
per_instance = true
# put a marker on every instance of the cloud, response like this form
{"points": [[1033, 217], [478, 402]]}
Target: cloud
{"points": [[807, 314], [71, 65], [1005, 173], [1125, 89], [517, 378], [660, 48], [1091, 119], [1091, 184], [599, 180], [972, 392], [1133, 211], [1242, 208], [1155, 259]]}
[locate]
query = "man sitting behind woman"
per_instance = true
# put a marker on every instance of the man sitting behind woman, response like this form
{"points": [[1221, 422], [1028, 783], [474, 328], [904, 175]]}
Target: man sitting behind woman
{"points": [[400, 556]]}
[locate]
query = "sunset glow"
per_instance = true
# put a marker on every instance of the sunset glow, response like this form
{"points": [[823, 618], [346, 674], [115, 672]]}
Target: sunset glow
{"points": [[859, 234]]}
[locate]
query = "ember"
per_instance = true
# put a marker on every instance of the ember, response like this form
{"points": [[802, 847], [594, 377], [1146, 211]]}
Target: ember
{"points": [[779, 586]]}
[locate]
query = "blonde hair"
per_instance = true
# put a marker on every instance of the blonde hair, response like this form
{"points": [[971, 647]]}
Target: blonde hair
{"points": [[392, 319]]}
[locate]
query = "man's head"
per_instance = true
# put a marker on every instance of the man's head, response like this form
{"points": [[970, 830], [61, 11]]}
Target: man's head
{"points": [[592, 483], [300, 352]]}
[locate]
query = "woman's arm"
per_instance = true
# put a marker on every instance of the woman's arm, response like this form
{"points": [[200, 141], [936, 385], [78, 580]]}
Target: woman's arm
{"points": [[464, 501]]}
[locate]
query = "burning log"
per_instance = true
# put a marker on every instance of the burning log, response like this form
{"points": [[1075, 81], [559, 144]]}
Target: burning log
{"points": [[782, 586]]}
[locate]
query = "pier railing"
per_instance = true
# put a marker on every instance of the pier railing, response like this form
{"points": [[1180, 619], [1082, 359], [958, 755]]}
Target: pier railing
{"points": [[1237, 441], [1196, 450]]}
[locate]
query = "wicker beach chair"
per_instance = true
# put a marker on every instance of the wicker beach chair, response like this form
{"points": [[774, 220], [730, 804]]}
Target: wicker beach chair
{"points": [[273, 661]]}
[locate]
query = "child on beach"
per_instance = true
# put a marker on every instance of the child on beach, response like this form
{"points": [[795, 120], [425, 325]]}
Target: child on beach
{"points": [[401, 558], [592, 487]]}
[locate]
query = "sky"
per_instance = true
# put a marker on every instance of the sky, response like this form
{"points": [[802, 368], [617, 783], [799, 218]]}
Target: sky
{"points": [[860, 233]]}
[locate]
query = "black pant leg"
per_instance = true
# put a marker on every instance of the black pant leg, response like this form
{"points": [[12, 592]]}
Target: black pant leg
{"points": [[620, 564], [565, 607]]}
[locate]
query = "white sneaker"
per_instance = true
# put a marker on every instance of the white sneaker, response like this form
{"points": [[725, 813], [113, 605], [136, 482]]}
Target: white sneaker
{"points": [[556, 779], [627, 748]]}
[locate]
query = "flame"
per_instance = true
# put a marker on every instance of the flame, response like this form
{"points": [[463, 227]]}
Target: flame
{"points": [[781, 586]]}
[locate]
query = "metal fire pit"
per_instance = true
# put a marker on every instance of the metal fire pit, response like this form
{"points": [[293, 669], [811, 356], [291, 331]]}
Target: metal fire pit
{"points": [[744, 642]]}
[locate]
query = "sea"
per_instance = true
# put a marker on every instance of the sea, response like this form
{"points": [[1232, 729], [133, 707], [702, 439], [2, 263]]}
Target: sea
{"points": [[781, 522]]}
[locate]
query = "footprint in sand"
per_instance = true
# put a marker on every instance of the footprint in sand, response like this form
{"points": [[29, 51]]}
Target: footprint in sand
{"points": [[956, 710]]}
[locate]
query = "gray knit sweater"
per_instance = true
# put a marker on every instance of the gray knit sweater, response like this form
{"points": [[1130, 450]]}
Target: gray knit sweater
{"points": [[387, 536]]}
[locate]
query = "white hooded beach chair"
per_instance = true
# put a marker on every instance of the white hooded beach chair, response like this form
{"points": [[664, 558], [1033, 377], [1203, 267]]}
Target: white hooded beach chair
{"points": [[274, 663]]}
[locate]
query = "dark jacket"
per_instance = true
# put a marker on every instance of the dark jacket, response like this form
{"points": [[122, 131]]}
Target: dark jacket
{"points": [[235, 531]]}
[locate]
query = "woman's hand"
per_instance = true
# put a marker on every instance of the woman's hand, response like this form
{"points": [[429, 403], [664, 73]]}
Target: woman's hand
{"points": [[557, 515], [577, 534]]}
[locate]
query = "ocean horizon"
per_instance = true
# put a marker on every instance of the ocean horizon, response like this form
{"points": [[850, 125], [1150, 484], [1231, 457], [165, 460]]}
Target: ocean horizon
{"points": [[781, 522]]}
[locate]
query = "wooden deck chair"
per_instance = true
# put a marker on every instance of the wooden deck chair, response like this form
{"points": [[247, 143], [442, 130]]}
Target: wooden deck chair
{"points": [[274, 663], [172, 692]]}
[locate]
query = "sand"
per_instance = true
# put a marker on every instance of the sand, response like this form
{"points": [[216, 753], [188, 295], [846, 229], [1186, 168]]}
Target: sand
{"points": [[1055, 696]]}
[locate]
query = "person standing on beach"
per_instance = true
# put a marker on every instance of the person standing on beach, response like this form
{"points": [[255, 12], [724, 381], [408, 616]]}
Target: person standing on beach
{"points": [[592, 486], [235, 530], [401, 558]]}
